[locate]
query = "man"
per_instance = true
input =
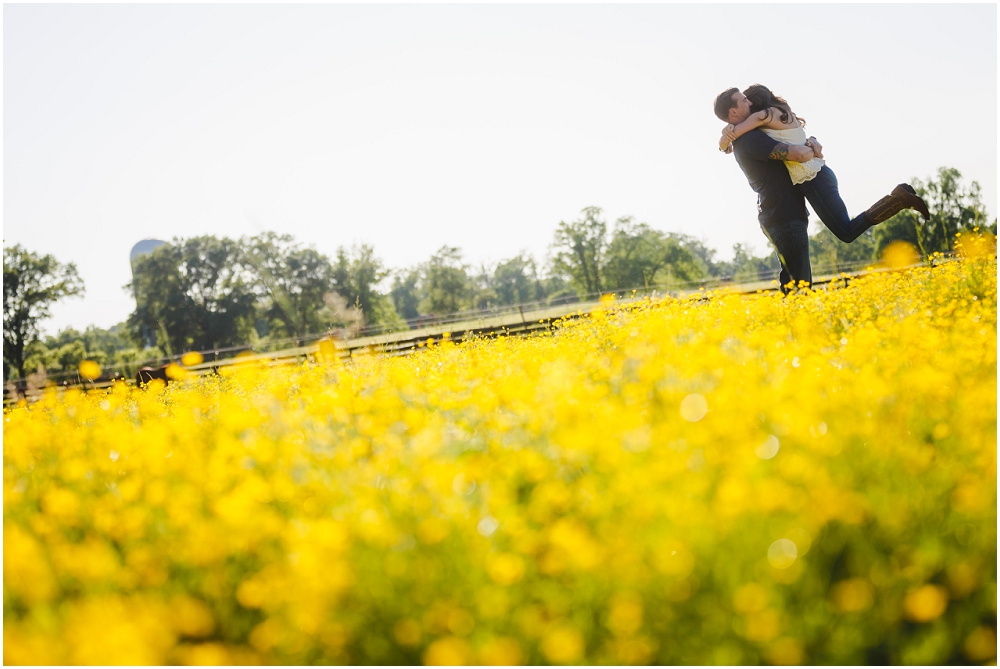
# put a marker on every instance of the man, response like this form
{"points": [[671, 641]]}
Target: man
{"points": [[782, 210]]}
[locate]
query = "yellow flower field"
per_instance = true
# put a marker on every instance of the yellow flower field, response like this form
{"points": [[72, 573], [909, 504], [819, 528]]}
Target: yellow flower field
{"points": [[731, 480]]}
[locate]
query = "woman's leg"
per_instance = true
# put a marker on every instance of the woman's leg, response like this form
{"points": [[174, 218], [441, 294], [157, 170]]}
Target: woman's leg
{"points": [[824, 196]]}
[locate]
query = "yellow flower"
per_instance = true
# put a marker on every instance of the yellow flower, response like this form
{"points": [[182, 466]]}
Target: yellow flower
{"points": [[191, 358], [90, 370], [926, 603]]}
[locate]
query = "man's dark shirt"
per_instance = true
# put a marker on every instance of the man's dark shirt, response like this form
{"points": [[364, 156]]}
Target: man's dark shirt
{"points": [[778, 200]]}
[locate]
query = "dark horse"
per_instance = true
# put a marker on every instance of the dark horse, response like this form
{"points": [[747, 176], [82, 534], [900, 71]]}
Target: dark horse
{"points": [[147, 374]]}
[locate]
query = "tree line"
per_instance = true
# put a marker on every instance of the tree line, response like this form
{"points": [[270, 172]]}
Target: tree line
{"points": [[207, 292]]}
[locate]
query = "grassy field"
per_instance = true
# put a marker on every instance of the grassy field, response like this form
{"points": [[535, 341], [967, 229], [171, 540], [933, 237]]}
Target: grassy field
{"points": [[743, 479]]}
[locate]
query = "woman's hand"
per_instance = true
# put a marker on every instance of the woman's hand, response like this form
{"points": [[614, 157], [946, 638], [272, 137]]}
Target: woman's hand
{"points": [[814, 144], [729, 132]]}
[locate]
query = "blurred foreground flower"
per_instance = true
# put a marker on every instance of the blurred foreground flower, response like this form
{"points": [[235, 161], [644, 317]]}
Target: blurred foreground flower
{"points": [[191, 359], [89, 370], [900, 254]]}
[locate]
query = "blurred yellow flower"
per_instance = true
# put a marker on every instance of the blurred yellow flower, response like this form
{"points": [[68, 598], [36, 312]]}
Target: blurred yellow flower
{"points": [[926, 603], [853, 594], [563, 645], [449, 651], [191, 358], [175, 372], [899, 254], [90, 370]]}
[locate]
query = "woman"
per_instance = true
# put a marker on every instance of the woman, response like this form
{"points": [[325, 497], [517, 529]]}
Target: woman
{"points": [[773, 116]]}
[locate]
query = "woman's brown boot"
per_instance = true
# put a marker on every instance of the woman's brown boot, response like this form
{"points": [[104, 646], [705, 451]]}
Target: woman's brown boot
{"points": [[902, 197]]}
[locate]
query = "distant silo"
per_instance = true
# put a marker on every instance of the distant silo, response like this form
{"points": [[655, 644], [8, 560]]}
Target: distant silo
{"points": [[142, 248]]}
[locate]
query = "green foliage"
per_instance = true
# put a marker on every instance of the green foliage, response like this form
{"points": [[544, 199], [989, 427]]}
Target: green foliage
{"points": [[405, 293], [508, 282], [635, 256], [446, 287], [205, 293], [639, 256], [291, 282], [31, 285], [355, 277], [127, 361], [557, 290], [484, 295], [193, 294], [954, 207], [826, 252], [386, 315], [110, 348], [578, 251], [748, 268], [704, 256], [516, 281]]}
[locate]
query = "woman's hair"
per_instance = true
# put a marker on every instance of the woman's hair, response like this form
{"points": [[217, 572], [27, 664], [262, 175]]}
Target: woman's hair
{"points": [[761, 98]]}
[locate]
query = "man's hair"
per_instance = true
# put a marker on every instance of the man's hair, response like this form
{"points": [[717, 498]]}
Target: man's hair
{"points": [[724, 103]]}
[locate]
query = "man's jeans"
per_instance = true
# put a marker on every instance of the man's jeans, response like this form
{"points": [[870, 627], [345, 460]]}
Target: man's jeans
{"points": [[791, 240], [824, 196]]}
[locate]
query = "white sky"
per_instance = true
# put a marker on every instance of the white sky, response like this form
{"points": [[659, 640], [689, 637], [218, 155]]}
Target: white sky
{"points": [[478, 126]]}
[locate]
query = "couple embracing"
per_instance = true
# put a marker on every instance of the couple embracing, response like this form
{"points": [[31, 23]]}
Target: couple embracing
{"points": [[785, 168]]}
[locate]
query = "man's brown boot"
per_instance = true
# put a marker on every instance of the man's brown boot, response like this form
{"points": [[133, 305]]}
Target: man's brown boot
{"points": [[902, 197]]}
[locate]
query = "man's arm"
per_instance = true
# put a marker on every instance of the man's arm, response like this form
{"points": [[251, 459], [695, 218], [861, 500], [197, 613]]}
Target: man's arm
{"points": [[792, 152], [759, 146]]}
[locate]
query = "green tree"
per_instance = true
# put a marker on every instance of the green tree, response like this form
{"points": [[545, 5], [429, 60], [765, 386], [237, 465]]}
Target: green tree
{"points": [[508, 282], [516, 281], [193, 294], [292, 282], [704, 256], [356, 276], [386, 316], [557, 290], [578, 251], [953, 206], [129, 360], [39, 357], [111, 348], [639, 256], [748, 268], [445, 282], [482, 289], [65, 351], [405, 292], [32, 283], [107, 341], [827, 253], [69, 356]]}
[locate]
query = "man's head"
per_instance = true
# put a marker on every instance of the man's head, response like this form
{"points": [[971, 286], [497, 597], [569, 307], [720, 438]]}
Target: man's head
{"points": [[732, 106]]}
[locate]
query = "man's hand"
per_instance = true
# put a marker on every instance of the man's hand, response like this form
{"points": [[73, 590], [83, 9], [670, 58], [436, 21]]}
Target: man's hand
{"points": [[814, 144], [725, 145]]}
